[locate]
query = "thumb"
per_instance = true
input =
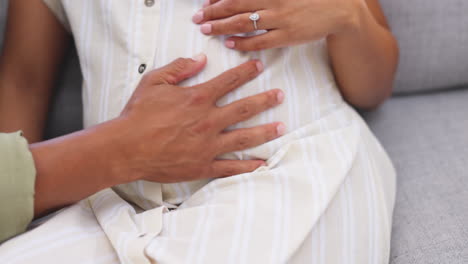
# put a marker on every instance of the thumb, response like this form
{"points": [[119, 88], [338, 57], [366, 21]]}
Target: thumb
{"points": [[179, 70]]}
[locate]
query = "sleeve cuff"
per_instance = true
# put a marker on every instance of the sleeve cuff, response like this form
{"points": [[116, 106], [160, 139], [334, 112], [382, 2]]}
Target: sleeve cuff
{"points": [[17, 180]]}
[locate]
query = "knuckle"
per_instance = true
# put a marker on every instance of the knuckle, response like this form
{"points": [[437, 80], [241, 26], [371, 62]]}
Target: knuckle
{"points": [[258, 44], [220, 28], [171, 73], [230, 6], [230, 170], [245, 109], [238, 25], [179, 64], [243, 141], [151, 77], [147, 78], [157, 79], [208, 13], [203, 127], [233, 78], [198, 97], [205, 172]]}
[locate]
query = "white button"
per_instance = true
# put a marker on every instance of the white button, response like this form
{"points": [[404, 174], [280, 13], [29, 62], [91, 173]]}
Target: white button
{"points": [[149, 3]]}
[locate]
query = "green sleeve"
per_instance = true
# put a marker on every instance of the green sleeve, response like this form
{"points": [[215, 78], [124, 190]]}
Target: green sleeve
{"points": [[17, 178]]}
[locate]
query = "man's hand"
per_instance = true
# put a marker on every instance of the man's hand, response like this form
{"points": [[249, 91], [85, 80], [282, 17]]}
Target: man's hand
{"points": [[175, 133], [165, 134]]}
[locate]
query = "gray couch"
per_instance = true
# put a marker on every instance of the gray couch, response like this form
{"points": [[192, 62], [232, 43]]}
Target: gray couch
{"points": [[424, 127]]}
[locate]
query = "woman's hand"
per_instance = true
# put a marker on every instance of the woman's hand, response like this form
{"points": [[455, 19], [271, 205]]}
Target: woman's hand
{"points": [[362, 50], [287, 22]]}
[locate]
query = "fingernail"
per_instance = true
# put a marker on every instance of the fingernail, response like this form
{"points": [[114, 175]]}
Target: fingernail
{"points": [[230, 44], [263, 164], [206, 28], [259, 65], [280, 97], [206, 3], [199, 57], [281, 129], [198, 17]]}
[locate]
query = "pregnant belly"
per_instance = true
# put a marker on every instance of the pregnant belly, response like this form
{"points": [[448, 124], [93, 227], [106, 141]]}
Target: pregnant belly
{"points": [[338, 116]]}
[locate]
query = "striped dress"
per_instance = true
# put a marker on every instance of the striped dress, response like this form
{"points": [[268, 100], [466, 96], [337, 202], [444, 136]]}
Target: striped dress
{"points": [[326, 196]]}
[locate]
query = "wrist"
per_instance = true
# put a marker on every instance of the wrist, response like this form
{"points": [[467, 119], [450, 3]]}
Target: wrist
{"points": [[116, 138]]}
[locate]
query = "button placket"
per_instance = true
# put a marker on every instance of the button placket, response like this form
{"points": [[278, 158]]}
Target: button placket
{"points": [[148, 3]]}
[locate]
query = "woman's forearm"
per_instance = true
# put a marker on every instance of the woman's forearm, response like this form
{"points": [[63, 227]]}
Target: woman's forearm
{"points": [[364, 58], [28, 67], [23, 107]]}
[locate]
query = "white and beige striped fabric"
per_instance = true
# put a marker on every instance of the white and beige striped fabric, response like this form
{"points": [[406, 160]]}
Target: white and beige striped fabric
{"points": [[326, 195]]}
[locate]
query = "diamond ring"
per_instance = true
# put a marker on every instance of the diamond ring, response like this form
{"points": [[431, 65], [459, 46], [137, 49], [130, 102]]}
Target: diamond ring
{"points": [[254, 18]]}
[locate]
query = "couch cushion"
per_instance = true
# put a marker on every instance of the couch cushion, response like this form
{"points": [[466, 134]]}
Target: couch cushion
{"points": [[66, 112], [427, 138], [433, 38]]}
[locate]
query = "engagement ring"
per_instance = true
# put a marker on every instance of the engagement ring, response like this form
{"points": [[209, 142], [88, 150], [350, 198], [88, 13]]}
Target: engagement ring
{"points": [[255, 17]]}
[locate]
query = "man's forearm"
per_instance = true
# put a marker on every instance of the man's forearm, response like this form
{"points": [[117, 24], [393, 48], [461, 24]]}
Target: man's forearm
{"points": [[364, 59], [76, 166]]}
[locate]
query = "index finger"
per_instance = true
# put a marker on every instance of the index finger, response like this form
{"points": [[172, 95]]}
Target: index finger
{"points": [[232, 79], [222, 9], [209, 2], [226, 168]]}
